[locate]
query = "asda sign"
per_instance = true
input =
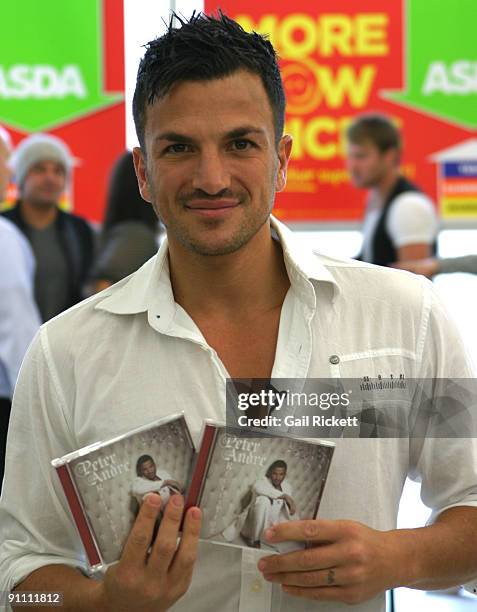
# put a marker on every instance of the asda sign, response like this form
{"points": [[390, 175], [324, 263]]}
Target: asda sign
{"points": [[456, 78], [41, 82], [52, 64], [440, 76], [62, 72]]}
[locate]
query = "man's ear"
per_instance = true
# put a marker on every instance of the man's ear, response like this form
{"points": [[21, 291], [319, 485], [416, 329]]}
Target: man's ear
{"points": [[393, 157], [284, 152], [140, 168]]}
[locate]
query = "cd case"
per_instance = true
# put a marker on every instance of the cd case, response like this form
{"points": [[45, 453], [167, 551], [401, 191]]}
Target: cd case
{"points": [[105, 482], [245, 484]]}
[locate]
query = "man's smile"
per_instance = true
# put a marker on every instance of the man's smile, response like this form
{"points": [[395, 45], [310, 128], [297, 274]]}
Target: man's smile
{"points": [[212, 208]]}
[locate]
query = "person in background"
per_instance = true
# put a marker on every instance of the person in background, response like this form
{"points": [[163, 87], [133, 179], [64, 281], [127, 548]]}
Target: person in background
{"points": [[5, 152], [400, 221], [130, 231], [19, 318], [432, 265], [62, 243]]}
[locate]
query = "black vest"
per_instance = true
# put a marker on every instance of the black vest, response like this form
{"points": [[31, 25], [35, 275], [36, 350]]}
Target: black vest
{"points": [[383, 249]]}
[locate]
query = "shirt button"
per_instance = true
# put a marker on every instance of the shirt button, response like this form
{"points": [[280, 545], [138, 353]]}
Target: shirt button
{"points": [[256, 585], [334, 359]]}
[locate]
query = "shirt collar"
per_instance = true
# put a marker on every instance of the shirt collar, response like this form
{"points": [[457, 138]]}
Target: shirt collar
{"points": [[303, 264], [149, 289]]}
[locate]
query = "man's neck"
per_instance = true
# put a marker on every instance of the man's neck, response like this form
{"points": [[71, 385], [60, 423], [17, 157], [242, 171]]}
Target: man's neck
{"points": [[241, 284], [385, 186], [38, 216]]}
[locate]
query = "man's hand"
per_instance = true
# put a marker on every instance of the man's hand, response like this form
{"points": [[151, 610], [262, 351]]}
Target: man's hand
{"points": [[289, 502], [348, 562], [427, 267], [152, 581]]}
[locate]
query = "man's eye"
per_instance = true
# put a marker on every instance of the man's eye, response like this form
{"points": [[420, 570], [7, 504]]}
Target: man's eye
{"points": [[177, 148], [242, 145]]}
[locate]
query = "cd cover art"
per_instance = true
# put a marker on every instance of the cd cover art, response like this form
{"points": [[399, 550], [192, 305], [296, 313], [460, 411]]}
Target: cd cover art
{"points": [[105, 483], [246, 484]]}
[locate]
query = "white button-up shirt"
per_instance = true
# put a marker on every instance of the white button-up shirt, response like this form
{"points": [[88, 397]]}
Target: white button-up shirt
{"points": [[131, 354]]}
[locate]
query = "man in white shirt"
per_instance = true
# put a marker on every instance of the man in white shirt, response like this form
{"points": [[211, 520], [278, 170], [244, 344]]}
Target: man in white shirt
{"points": [[19, 318], [400, 221], [151, 480], [273, 503], [232, 293]]}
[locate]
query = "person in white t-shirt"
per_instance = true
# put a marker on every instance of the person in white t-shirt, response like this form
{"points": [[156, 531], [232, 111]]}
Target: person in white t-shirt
{"points": [[273, 503], [400, 221], [152, 480]]}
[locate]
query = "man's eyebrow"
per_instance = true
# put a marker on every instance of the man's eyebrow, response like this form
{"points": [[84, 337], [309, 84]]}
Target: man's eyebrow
{"points": [[173, 137], [245, 131], [239, 132]]}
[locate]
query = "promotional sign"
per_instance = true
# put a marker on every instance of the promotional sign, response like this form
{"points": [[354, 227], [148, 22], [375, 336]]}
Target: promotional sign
{"points": [[457, 180], [62, 72], [411, 60]]}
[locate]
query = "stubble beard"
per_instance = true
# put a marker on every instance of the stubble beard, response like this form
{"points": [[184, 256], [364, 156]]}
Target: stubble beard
{"points": [[44, 205], [247, 229], [368, 183], [243, 233], [41, 203]]}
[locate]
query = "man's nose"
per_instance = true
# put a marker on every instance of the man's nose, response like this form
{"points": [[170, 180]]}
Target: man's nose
{"points": [[211, 174], [53, 176]]}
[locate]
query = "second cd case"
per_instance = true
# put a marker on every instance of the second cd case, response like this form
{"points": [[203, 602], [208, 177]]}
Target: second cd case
{"points": [[244, 485]]}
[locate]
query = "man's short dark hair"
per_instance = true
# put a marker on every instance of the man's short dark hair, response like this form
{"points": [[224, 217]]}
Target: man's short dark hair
{"points": [[378, 129], [139, 463], [205, 48], [279, 463]]}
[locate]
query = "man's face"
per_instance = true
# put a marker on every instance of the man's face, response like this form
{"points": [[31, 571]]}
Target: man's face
{"points": [[212, 166], [278, 476], [44, 183], [367, 165], [148, 469], [4, 169]]}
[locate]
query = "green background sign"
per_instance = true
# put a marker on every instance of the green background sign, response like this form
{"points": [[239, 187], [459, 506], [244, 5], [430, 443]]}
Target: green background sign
{"points": [[51, 63], [441, 59]]}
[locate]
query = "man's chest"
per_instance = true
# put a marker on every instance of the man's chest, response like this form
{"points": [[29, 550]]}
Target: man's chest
{"points": [[146, 375], [247, 349]]}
